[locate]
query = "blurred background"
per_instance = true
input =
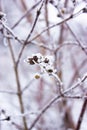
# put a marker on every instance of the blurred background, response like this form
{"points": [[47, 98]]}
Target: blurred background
{"points": [[35, 26]]}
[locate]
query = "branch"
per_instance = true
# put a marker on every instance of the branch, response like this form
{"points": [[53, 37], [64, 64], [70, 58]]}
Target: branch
{"points": [[10, 31], [81, 115], [30, 33], [18, 84], [8, 92], [56, 99], [27, 13]]}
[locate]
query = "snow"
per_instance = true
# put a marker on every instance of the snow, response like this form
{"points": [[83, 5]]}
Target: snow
{"points": [[37, 85]]}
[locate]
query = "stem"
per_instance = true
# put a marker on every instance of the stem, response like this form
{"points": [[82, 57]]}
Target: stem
{"points": [[81, 115], [18, 85], [20, 97], [56, 99]]}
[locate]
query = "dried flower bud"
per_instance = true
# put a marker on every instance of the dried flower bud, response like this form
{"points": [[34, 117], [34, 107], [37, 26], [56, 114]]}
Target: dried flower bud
{"points": [[58, 15], [2, 16], [74, 2], [35, 58], [49, 70], [8, 118], [37, 76], [30, 61], [51, 1], [84, 10], [46, 60], [63, 11], [3, 111]]}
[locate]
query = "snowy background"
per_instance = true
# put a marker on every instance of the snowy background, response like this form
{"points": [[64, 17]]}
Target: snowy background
{"points": [[27, 89]]}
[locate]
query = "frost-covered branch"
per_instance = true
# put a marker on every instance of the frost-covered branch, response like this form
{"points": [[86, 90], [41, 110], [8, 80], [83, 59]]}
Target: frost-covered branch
{"points": [[10, 31], [57, 99]]}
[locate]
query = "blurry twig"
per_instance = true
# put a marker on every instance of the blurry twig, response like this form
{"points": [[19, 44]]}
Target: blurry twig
{"points": [[18, 84], [81, 115], [27, 86], [75, 97], [76, 72], [46, 15], [8, 92], [10, 31], [27, 13], [79, 42], [42, 45]]}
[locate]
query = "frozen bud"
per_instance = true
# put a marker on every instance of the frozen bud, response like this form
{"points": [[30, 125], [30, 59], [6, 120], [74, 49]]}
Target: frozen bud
{"points": [[37, 76], [2, 16], [50, 70], [51, 1], [30, 61], [63, 10], [46, 60], [35, 58], [74, 2], [84, 10], [3, 111], [58, 15], [8, 118]]}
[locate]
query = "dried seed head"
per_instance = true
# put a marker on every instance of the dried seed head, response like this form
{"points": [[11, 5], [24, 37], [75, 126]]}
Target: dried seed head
{"points": [[35, 58], [30, 61], [74, 2], [46, 60], [49, 70], [84, 10], [2, 15], [63, 11], [8, 118], [37, 76]]}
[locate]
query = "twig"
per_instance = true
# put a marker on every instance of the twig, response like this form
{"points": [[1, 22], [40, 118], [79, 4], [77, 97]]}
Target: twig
{"points": [[50, 27], [58, 82], [11, 51], [18, 84], [42, 45], [8, 92], [27, 13], [75, 73], [81, 115], [10, 31], [27, 86], [75, 97], [54, 100], [46, 16], [57, 24], [79, 42]]}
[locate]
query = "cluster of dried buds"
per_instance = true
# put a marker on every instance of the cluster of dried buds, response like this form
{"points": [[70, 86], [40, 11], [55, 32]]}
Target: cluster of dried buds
{"points": [[44, 62]]}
